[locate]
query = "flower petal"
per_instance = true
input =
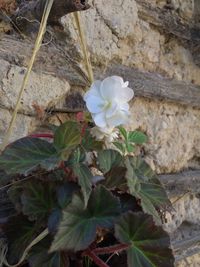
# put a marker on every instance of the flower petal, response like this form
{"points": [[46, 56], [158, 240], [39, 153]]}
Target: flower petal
{"points": [[94, 90], [99, 119], [95, 104], [124, 106], [114, 88], [110, 88], [109, 112], [119, 118]]}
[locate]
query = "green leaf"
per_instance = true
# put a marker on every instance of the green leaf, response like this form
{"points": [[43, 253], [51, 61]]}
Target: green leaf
{"points": [[137, 137], [27, 154], [149, 244], [5, 178], [39, 256], [120, 146], [78, 226], [76, 157], [128, 203], [139, 169], [123, 132], [20, 233], [64, 193], [115, 178], [130, 147], [38, 200], [107, 159], [54, 220], [144, 184], [67, 136], [84, 180], [90, 143]]}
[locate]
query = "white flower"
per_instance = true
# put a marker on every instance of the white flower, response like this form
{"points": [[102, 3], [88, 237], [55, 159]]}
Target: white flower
{"points": [[106, 134], [107, 101]]}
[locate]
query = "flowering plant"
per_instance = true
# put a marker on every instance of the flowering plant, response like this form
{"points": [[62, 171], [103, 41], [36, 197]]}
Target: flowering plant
{"points": [[81, 195]]}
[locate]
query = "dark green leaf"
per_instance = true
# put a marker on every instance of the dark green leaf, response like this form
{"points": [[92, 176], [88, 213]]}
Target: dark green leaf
{"points": [[107, 159], [149, 244], [64, 193], [7, 208], [115, 178], [144, 184], [128, 203], [77, 156], [90, 143], [54, 220], [20, 233], [40, 257], [78, 226], [5, 178], [26, 154], [84, 180], [138, 169], [38, 200], [137, 137], [67, 136]]}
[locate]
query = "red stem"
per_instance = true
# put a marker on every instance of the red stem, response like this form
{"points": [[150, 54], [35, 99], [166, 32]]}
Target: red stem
{"points": [[95, 258], [112, 249], [42, 135]]}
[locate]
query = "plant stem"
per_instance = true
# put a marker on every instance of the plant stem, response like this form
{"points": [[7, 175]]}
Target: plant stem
{"points": [[112, 249], [95, 258], [26, 251], [84, 47], [38, 42]]}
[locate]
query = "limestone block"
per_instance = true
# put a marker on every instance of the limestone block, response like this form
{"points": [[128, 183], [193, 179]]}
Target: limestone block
{"points": [[24, 125], [186, 209], [173, 132], [116, 32], [42, 89]]}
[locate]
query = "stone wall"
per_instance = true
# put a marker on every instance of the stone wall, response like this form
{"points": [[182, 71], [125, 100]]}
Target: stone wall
{"points": [[120, 32]]}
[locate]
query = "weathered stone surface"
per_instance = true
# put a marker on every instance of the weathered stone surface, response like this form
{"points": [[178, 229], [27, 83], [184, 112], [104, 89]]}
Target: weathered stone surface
{"points": [[24, 125], [174, 139], [116, 33], [43, 89]]}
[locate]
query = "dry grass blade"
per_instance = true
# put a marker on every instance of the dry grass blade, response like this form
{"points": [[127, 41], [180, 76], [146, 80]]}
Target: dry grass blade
{"points": [[84, 46], [38, 42]]}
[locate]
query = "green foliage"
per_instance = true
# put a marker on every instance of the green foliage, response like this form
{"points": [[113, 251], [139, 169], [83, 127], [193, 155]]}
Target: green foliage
{"points": [[148, 243], [143, 184], [79, 225], [108, 159], [89, 143], [38, 200], [67, 136], [84, 176], [129, 140], [40, 257], [62, 192], [19, 232], [26, 154]]}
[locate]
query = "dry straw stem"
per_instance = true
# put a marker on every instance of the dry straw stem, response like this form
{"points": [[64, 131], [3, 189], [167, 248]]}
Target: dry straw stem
{"points": [[26, 251], [84, 46], [38, 42]]}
